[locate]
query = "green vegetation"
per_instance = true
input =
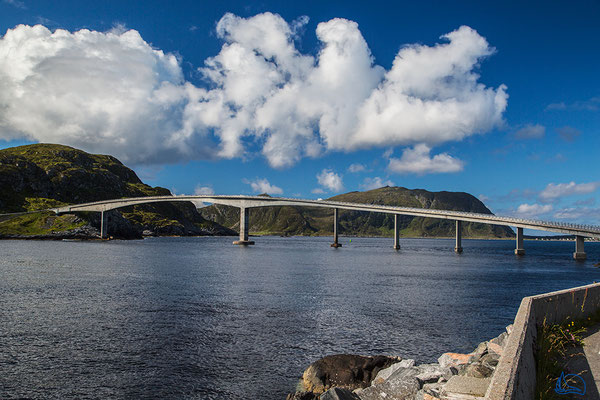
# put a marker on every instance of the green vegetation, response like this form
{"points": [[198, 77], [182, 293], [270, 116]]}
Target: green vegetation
{"points": [[42, 176], [557, 346], [41, 203], [292, 220], [149, 218], [43, 223]]}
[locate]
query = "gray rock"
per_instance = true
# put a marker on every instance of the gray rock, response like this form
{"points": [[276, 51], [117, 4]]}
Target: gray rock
{"points": [[455, 359], [500, 340], [420, 395], [465, 385], [384, 374], [481, 349], [408, 363], [402, 384], [490, 360], [509, 329], [433, 389], [431, 373], [477, 370], [339, 394]]}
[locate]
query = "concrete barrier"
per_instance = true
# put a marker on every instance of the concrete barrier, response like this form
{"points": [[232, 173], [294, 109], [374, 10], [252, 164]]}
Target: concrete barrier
{"points": [[514, 377]]}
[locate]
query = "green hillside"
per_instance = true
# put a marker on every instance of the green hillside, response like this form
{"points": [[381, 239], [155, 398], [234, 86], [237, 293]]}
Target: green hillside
{"points": [[318, 221], [39, 176]]}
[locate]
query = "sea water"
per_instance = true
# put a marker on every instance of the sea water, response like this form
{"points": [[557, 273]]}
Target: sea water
{"points": [[201, 318]]}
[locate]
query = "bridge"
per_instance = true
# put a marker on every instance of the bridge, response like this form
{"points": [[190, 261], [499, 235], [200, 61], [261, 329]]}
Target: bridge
{"points": [[244, 203]]}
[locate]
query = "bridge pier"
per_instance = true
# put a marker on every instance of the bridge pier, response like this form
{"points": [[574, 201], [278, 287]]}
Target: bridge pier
{"points": [[103, 225], [458, 246], [243, 228], [520, 250], [396, 233], [579, 251], [335, 229]]}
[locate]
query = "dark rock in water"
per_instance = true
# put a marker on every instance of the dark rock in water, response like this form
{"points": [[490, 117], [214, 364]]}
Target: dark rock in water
{"points": [[338, 394], [302, 396], [345, 371]]}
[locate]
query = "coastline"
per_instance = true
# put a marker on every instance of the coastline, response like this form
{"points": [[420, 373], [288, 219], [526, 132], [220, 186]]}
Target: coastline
{"points": [[354, 377]]}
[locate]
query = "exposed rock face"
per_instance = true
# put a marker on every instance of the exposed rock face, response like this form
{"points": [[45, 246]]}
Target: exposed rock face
{"points": [[455, 377], [344, 371], [42, 176]]}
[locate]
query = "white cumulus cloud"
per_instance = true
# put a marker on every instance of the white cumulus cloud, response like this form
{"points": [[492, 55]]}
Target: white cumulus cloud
{"points": [[354, 168], [554, 191], [533, 210], [330, 180], [375, 183], [112, 92], [417, 160], [103, 92], [203, 190], [263, 186]]}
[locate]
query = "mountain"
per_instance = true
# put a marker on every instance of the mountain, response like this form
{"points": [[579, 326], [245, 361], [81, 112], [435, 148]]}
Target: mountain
{"points": [[40, 176], [292, 220]]}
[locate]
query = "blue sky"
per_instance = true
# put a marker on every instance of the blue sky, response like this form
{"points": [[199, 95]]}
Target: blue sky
{"points": [[305, 99]]}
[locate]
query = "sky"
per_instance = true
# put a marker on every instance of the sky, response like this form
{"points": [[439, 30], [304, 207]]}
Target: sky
{"points": [[315, 98]]}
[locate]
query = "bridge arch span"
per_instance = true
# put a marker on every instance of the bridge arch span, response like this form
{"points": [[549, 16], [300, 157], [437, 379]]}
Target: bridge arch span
{"points": [[246, 202]]}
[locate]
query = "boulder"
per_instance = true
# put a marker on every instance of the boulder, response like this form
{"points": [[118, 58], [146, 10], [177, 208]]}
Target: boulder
{"points": [[455, 359], [500, 340], [345, 371], [461, 387], [387, 372], [481, 349], [402, 384], [490, 360], [433, 389], [431, 373], [338, 394], [494, 348], [477, 370]]}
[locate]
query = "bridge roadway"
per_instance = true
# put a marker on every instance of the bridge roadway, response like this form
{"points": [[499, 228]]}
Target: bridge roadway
{"points": [[246, 202]]}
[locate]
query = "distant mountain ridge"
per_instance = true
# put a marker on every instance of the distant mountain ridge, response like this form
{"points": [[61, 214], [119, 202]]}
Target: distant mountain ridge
{"points": [[295, 220], [40, 176]]}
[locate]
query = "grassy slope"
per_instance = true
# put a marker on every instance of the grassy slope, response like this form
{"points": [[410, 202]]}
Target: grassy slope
{"points": [[40, 176]]}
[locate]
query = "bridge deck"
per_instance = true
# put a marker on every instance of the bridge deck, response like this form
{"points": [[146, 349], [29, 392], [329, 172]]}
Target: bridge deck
{"points": [[260, 201]]}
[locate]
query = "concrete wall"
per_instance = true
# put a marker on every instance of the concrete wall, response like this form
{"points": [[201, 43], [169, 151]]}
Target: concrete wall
{"points": [[514, 377]]}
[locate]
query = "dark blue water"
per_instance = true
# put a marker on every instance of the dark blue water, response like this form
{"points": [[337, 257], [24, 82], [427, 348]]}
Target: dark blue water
{"points": [[200, 318]]}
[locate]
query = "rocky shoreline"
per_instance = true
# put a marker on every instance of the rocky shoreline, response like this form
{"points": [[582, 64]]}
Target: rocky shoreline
{"points": [[455, 376]]}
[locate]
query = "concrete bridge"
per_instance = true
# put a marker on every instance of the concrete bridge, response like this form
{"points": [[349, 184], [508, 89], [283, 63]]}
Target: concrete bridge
{"points": [[244, 203]]}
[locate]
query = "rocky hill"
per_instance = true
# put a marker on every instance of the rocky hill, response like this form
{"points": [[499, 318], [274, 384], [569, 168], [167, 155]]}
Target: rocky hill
{"points": [[40, 176], [291, 220]]}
